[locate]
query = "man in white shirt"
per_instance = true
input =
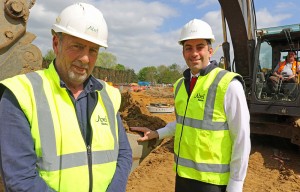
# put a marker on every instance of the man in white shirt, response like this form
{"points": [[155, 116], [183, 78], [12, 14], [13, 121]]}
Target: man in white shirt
{"points": [[212, 129]]}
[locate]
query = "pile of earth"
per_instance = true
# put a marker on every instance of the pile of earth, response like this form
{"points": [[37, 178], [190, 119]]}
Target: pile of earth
{"points": [[133, 114]]}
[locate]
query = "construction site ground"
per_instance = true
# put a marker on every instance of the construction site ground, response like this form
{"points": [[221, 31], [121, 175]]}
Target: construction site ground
{"points": [[274, 164]]}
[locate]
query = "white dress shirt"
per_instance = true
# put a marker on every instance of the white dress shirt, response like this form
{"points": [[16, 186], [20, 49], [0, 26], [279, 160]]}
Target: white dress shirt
{"points": [[238, 119]]}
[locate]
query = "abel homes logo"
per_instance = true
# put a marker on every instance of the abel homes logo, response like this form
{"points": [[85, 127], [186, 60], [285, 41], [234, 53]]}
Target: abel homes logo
{"points": [[200, 97], [102, 120], [91, 30]]}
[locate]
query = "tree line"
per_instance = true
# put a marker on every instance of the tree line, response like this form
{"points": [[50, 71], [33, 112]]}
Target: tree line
{"points": [[107, 68]]}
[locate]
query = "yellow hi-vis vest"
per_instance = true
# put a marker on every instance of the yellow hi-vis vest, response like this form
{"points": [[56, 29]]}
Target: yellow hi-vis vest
{"points": [[64, 160], [202, 145]]}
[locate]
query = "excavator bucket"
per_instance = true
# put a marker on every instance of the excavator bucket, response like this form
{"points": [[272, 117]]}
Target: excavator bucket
{"points": [[140, 150], [17, 54]]}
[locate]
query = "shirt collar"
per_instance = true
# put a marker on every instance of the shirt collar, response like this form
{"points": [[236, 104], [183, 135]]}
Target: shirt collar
{"points": [[201, 72], [212, 65], [87, 85], [197, 75]]}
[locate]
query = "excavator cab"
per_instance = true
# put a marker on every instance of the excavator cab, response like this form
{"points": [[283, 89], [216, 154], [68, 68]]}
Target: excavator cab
{"points": [[275, 111], [273, 45]]}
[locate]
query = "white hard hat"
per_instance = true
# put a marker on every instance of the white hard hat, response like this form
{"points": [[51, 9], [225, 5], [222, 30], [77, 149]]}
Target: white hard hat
{"points": [[83, 21], [196, 29]]}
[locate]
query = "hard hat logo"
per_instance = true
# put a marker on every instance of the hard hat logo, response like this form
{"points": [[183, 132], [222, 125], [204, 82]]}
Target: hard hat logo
{"points": [[196, 29], [83, 21], [93, 29]]}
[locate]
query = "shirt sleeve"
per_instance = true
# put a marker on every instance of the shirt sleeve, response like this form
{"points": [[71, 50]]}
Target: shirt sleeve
{"points": [[124, 162], [17, 156], [167, 131], [238, 119]]}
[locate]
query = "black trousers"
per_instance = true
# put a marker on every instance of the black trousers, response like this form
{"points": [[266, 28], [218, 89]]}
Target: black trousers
{"points": [[190, 185]]}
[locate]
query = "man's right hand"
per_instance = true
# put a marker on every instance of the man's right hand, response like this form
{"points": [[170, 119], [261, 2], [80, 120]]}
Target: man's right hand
{"points": [[148, 133]]}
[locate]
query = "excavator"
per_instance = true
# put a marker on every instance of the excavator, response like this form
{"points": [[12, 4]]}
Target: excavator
{"points": [[256, 53]]}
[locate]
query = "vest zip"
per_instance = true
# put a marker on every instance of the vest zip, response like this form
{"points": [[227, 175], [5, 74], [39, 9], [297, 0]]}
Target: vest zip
{"points": [[89, 155], [187, 103], [91, 105]]}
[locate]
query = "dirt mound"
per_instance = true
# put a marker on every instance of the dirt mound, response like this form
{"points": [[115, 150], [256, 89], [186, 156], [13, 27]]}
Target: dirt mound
{"points": [[133, 114], [274, 165]]}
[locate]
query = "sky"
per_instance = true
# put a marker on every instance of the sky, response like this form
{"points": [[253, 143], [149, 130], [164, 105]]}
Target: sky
{"points": [[143, 33]]}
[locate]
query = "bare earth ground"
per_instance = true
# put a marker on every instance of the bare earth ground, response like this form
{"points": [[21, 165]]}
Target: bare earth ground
{"points": [[274, 164]]}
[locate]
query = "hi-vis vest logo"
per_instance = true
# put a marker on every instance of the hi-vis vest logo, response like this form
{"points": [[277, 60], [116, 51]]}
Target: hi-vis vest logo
{"points": [[200, 97], [102, 120]]}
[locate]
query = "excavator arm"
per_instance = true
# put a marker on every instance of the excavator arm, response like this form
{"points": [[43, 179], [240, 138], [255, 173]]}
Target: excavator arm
{"points": [[240, 18]]}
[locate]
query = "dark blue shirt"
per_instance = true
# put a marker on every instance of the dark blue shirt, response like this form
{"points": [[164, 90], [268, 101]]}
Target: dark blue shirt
{"points": [[18, 158]]}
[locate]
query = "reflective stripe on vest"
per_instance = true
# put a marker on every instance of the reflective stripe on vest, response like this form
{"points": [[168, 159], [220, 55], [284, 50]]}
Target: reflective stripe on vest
{"points": [[203, 167], [206, 124], [47, 135]]}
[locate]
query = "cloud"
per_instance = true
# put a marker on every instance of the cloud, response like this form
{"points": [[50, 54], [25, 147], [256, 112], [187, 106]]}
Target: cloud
{"points": [[133, 33], [187, 1], [285, 6], [270, 20], [143, 33], [133, 26], [42, 16], [214, 19], [135, 16], [206, 3]]}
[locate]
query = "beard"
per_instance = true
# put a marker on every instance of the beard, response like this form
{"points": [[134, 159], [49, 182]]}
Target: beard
{"points": [[79, 78]]}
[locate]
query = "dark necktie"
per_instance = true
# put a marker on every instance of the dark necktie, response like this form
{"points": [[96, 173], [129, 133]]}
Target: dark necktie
{"points": [[192, 84]]}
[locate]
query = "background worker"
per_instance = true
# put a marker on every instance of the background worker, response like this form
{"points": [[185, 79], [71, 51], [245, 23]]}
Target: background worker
{"points": [[212, 136], [286, 72], [60, 128]]}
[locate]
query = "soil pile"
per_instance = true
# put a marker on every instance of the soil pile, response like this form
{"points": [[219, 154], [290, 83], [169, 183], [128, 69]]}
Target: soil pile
{"points": [[133, 114]]}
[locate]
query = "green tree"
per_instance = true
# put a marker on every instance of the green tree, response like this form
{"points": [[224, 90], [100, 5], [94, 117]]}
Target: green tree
{"points": [[49, 56], [148, 74], [120, 67], [106, 60], [176, 71], [161, 71], [132, 76], [168, 74]]}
